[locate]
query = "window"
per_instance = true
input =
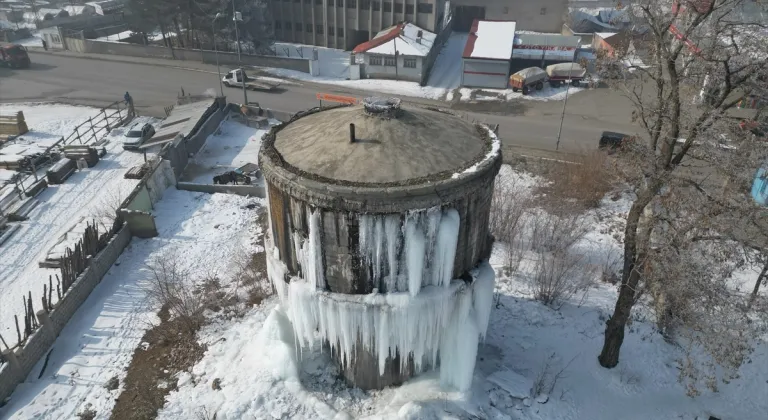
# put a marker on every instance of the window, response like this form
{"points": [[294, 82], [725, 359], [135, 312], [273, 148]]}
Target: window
{"points": [[387, 7], [308, 27], [398, 7], [390, 61], [351, 4], [409, 63], [331, 3], [409, 9], [340, 32], [425, 8], [56, 39], [374, 60], [298, 27], [319, 29], [331, 31], [365, 4], [319, 2], [288, 26], [376, 5], [297, 1], [278, 24]]}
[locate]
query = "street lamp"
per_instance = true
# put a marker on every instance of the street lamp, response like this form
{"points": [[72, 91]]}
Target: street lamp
{"points": [[216, 52]]}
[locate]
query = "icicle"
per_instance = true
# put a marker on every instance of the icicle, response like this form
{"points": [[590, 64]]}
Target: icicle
{"points": [[414, 249], [445, 248], [315, 250], [392, 232], [432, 223], [482, 296]]}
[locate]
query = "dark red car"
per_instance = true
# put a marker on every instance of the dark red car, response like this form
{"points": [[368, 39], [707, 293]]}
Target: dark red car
{"points": [[14, 56]]}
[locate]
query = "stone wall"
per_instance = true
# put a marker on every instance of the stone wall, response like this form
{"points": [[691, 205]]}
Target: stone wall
{"points": [[21, 361]]}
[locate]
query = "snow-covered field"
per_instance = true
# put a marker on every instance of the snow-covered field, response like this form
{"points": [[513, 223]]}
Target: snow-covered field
{"points": [[200, 231], [257, 363], [231, 146]]}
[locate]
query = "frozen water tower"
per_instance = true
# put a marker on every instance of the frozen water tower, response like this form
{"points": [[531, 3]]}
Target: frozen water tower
{"points": [[379, 238]]}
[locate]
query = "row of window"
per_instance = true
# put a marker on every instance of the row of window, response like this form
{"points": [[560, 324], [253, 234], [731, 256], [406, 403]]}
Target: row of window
{"points": [[375, 4], [389, 61], [298, 26]]}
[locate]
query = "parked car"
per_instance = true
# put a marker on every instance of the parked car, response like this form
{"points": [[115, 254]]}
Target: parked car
{"points": [[14, 56], [137, 135], [612, 140]]}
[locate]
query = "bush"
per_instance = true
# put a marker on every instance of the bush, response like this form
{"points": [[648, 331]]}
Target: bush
{"points": [[507, 222], [587, 180], [558, 276], [173, 288], [556, 233]]}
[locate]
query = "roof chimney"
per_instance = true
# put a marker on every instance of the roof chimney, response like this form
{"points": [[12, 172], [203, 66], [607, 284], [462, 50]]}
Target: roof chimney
{"points": [[418, 36]]}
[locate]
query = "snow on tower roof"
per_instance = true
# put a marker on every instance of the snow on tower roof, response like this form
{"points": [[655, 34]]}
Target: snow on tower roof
{"points": [[490, 39], [404, 37]]}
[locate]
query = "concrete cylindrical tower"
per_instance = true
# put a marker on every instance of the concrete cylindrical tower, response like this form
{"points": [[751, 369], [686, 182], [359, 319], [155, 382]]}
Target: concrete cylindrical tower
{"points": [[379, 216]]}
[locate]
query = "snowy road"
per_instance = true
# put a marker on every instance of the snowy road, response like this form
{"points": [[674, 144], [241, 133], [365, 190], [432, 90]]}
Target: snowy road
{"points": [[204, 231]]}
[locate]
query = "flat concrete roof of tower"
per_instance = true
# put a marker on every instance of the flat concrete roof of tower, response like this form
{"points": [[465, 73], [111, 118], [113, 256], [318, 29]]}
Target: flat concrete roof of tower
{"points": [[418, 144]]}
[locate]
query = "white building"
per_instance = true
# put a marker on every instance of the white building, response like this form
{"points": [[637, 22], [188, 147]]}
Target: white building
{"points": [[487, 54], [398, 52]]}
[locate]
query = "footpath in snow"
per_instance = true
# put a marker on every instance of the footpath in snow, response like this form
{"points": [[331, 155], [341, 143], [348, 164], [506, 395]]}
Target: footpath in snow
{"points": [[202, 232]]}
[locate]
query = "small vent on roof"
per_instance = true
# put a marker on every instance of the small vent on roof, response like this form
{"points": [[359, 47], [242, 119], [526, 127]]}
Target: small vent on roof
{"points": [[386, 108]]}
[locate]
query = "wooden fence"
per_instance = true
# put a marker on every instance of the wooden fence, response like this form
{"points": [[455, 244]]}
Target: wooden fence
{"points": [[73, 263], [93, 130]]}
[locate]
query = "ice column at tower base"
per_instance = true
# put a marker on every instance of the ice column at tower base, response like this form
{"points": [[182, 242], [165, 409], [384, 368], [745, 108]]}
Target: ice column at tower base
{"points": [[441, 323]]}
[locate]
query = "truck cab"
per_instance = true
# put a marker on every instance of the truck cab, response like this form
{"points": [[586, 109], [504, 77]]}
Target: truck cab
{"points": [[14, 56], [238, 78]]}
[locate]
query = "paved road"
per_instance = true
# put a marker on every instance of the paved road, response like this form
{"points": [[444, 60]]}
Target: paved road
{"points": [[154, 84]]}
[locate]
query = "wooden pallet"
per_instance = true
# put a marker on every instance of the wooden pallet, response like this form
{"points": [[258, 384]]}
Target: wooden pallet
{"points": [[12, 125]]}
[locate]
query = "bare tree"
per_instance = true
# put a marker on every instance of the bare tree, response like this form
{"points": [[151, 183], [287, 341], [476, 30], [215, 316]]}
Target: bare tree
{"points": [[511, 199], [680, 153]]}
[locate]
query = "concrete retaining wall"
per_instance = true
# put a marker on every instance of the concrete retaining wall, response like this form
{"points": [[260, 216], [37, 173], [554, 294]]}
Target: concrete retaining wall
{"points": [[179, 151], [208, 57], [21, 361], [244, 190]]}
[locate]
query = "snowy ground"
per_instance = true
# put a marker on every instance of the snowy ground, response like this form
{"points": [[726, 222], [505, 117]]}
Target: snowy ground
{"points": [[116, 37], [202, 232], [36, 40], [84, 194], [253, 357], [548, 93], [231, 146]]}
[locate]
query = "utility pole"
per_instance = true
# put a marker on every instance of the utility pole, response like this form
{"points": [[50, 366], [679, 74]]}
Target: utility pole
{"points": [[237, 33], [562, 116]]}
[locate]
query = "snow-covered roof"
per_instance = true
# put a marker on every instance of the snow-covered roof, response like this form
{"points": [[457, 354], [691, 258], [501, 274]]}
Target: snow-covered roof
{"points": [[403, 37], [490, 39]]}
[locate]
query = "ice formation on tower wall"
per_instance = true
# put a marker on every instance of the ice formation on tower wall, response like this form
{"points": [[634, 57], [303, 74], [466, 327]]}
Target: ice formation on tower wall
{"points": [[417, 310]]}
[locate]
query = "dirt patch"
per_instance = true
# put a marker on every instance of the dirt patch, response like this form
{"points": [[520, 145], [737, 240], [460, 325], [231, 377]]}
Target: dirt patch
{"points": [[172, 347], [166, 350], [578, 184]]}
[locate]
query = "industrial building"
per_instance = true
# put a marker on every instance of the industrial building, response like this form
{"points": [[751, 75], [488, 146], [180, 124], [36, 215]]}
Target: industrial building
{"points": [[541, 50], [346, 23], [487, 54], [540, 15], [386, 261]]}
